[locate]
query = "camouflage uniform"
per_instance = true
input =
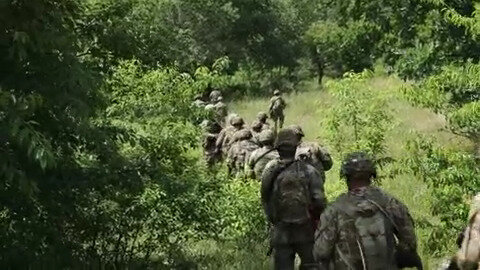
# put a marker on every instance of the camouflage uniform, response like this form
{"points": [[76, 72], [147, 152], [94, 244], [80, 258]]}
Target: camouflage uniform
{"points": [[277, 106], [220, 110], [198, 102], [292, 231], [259, 158], [240, 151], [358, 231], [256, 129], [214, 95], [225, 137], [209, 143], [468, 257], [313, 153], [262, 118]]}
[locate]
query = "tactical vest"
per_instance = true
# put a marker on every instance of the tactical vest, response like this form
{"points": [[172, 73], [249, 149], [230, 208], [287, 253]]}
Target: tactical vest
{"points": [[368, 235]]}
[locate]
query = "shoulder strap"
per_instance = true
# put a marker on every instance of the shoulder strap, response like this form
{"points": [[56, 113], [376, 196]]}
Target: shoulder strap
{"points": [[252, 165]]}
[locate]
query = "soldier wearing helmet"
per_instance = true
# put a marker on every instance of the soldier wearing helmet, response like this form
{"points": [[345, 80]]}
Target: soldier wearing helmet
{"points": [[262, 118], [198, 101], [214, 95], [241, 148], [226, 135], [220, 111], [313, 153], [292, 196], [211, 131], [365, 228], [276, 109], [260, 157]]}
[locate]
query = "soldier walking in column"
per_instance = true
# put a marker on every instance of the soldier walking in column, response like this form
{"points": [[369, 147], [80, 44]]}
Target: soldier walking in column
{"points": [[276, 110], [365, 228], [292, 196]]}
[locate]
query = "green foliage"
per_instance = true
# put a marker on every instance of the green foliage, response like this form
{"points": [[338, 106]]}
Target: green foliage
{"points": [[347, 47], [418, 62], [360, 119], [454, 92], [453, 178]]}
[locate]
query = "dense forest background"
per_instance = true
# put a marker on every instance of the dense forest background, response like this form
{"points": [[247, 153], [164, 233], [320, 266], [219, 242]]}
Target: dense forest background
{"points": [[99, 159]]}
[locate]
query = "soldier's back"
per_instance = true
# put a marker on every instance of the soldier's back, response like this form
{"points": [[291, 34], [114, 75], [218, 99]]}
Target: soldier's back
{"points": [[357, 231], [260, 158]]}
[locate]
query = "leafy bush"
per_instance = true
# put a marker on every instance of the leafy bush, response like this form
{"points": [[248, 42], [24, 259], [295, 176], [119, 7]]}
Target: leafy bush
{"points": [[454, 178], [360, 118], [454, 92], [418, 62]]}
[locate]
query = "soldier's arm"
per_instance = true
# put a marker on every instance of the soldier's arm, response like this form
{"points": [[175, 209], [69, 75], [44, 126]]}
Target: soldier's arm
{"points": [[317, 192], [404, 224], [220, 139], [267, 186], [249, 171], [326, 159], [325, 238]]}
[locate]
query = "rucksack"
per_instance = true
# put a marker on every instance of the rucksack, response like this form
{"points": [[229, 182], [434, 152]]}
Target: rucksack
{"points": [[373, 232], [291, 195]]}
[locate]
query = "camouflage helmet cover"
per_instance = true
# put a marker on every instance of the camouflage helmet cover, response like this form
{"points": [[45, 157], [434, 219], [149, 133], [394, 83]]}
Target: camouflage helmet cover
{"points": [[214, 95], [262, 116], [298, 129], [276, 92], [266, 136], [256, 125], [357, 162], [287, 137], [236, 121]]}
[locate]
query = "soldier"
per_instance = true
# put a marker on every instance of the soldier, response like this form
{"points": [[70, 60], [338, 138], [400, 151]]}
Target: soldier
{"points": [[214, 95], [468, 257], [365, 228], [198, 102], [292, 196], [262, 118], [256, 129], [277, 106], [260, 157], [221, 111], [212, 130], [225, 137], [241, 148], [313, 153]]}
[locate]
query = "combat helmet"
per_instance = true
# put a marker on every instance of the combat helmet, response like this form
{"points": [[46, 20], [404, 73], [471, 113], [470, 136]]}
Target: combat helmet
{"points": [[287, 137], [236, 121], [256, 126], [357, 162], [298, 129], [214, 95], [262, 116], [276, 92], [266, 137]]}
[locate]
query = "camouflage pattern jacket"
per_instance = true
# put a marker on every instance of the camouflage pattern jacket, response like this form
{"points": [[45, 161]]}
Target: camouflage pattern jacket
{"points": [[258, 161], [337, 238], [277, 170], [277, 105], [239, 153]]}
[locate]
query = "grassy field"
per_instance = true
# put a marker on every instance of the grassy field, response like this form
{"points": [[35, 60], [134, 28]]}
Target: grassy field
{"points": [[308, 108]]}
